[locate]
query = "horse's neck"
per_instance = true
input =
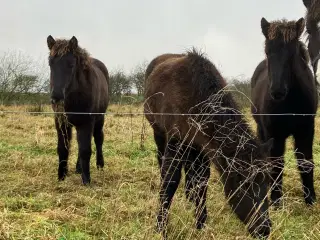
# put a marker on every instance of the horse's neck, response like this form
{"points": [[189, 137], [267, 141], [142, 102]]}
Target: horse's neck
{"points": [[80, 80], [303, 75]]}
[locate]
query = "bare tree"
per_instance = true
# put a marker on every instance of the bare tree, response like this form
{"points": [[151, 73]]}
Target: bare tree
{"points": [[20, 74]]}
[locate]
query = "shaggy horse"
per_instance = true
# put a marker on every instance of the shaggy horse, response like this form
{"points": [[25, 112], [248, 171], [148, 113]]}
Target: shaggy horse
{"points": [[284, 83], [190, 84], [79, 84]]}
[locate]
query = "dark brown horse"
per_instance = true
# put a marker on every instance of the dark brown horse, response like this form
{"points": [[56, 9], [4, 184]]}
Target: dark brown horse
{"points": [[284, 83], [79, 84], [312, 27], [190, 84]]}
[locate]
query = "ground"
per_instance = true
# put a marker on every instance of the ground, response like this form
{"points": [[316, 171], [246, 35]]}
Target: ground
{"points": [[122, 200]]}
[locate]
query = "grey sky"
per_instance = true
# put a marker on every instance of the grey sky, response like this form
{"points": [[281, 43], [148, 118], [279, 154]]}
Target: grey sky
{"points": [[124, 33]]}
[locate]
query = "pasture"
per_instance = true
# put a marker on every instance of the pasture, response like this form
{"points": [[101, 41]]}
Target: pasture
{"points": [[122, 201]]}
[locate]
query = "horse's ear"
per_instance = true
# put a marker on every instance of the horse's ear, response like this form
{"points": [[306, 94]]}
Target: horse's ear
{"points": [[265, 27], [50, 42], [267, 146], [300, 24], [307, 3], [73, 43]]}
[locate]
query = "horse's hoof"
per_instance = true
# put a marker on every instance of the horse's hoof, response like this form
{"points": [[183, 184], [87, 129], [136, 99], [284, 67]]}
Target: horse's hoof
{"points": [[61, 178], [100, 167], [276, 204], [200, 226], [62, 175], [310, 201], [86, 182]]}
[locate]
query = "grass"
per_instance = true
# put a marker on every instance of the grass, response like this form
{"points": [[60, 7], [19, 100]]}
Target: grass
{"points": [[122, 201]]}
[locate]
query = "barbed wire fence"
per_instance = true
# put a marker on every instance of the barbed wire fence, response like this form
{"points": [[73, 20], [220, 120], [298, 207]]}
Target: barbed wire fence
{"points": [[144, 123]]}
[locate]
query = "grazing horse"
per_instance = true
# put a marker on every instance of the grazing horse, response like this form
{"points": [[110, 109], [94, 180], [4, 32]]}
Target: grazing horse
{"points": [[79, 84], [183, 84], [284, 83], [312, 27]]}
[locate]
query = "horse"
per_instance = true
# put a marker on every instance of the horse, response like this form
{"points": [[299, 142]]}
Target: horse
{"points": [[178, 85], [313, 31], [283, 83], [79, 86]]}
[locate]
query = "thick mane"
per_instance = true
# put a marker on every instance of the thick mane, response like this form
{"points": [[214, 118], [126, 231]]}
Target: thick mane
{"points": [[283, 29], [304, 52], [205, 76], [61, 48], [209, 87]]}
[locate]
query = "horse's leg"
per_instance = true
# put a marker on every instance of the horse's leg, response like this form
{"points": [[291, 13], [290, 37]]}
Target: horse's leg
{"points": [[276, 155], [78, 166], [170, 178], [98, 139], [84, 137], [303, 146], [190, 173], [160, 140], [64, 137], [199, 176], [260, 133]]}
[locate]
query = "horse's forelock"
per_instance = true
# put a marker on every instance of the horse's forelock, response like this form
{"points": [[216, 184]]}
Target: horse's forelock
{"points": [[283, 29], [61, 48]]}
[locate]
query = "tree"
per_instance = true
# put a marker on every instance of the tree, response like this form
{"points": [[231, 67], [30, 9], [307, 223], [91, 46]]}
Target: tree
{"points": [[137, 77], [119, 84], [20, 74]]}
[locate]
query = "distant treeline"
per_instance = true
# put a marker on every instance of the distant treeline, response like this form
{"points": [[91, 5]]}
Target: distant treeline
{"points": [[25, 81]]}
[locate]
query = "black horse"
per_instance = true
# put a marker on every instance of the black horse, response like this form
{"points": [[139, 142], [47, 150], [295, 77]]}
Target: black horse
{"points": [[284, 83], [190, 83], [79, 84]]}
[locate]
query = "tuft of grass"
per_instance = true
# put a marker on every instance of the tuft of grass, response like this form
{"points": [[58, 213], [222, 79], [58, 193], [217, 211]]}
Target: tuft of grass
{"points": [[122, 201]]}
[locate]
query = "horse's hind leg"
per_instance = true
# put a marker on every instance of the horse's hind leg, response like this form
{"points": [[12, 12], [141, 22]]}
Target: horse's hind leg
{"points": [[303, 147], [64, 137], [276, 155], [98, 139], [160, 140], [78, 166], [170, 178], [198, 174], [190, 157]]}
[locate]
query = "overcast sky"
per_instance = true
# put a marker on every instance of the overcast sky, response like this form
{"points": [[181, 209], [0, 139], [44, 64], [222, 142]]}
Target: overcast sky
{"points": [[123, 33]]}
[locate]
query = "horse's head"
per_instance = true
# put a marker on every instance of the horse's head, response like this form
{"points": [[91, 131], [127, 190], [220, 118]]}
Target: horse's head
{"points": [[281, 45], [312, 27], [249, 189], [62, 62]]}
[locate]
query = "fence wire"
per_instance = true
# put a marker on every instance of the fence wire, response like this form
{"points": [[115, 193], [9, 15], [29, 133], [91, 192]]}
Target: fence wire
{"points": [[163, 114]]}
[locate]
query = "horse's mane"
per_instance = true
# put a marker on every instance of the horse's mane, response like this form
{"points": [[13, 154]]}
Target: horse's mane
{"points": [[61, 48]]}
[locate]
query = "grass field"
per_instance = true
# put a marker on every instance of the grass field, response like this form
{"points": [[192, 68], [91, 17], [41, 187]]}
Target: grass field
{"points": [[122, 201]]}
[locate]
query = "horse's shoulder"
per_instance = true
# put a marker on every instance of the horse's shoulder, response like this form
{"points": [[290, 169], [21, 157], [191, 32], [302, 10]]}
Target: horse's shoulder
{"points": [[262, 67]]}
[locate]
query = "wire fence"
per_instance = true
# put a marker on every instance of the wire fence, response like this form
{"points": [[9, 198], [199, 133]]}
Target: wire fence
{"points": [[163, 114]]}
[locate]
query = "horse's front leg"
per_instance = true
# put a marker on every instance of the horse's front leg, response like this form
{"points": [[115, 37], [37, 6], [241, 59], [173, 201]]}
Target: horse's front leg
{"points": [[84, 137]]}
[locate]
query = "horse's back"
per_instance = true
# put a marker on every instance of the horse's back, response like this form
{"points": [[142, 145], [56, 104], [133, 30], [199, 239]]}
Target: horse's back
{"points": [[159, 59], [102, 67], [178, 85], [101, 84]]}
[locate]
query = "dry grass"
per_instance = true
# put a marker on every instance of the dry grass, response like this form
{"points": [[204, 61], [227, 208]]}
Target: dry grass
{"points": [[122, 201]]}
